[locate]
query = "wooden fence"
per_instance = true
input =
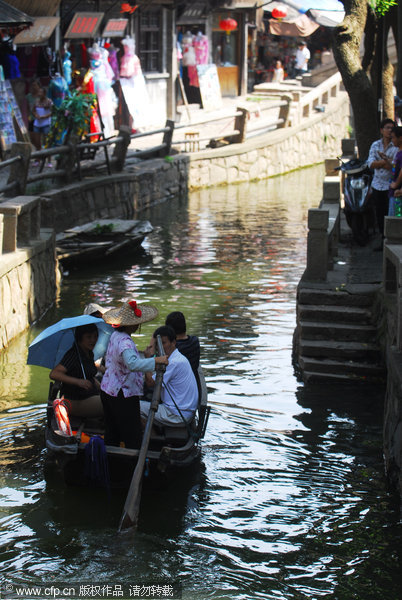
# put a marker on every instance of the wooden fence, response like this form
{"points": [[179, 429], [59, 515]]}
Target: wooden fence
{"points": [[77, 157]]}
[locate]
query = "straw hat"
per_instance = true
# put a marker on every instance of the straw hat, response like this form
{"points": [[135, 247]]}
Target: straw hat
{"points": [[130, 313], [92, 307]]}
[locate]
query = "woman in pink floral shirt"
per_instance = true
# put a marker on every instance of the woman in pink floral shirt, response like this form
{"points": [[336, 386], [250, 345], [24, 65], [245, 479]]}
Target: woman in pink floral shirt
{"points": [[122, 383]]}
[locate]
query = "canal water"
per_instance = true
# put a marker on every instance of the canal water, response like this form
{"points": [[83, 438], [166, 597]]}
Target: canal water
{"points": [[289, 499]]}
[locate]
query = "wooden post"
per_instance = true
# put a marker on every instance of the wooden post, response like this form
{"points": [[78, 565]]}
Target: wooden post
{"points": [[167, 139], [240, 125], [120, 149], [19, 170]]}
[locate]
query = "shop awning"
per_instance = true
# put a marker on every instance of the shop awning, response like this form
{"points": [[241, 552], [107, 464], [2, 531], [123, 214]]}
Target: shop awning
{"points": [[37, 8], [12, 17], [115, 28], [39, 33], [84, 25], [194, 13], [301, 27]]}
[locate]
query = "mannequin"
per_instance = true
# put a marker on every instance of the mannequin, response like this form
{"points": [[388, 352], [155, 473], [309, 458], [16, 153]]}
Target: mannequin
{"points": [[103, 88], [113, 62], [67, 64], [134, 87], [57, 90], [201, 48], [87, 86]]}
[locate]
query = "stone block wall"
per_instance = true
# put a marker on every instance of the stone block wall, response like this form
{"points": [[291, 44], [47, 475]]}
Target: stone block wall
{"points": [[275, 153], [28, 286], [120, 195]]}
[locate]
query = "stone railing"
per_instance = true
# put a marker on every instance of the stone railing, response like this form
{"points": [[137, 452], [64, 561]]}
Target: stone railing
{"points": [[392, 290], [20, 222], [324, 231], [319, 97], [392, 274], [306, 101], [28, 274]]}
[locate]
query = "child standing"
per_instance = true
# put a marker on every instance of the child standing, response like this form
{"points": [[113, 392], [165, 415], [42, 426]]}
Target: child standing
{"points": [[42, 112]]}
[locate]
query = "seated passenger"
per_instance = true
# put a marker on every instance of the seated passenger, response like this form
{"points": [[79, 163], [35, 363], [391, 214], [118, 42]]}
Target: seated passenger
{"points": [[76, 372], [188, 345], [96, 310], [179, 395], [122, 383]]}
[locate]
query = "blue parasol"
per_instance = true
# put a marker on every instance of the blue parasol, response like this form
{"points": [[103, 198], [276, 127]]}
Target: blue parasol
{"points": [[328, 13], [49, 347]]}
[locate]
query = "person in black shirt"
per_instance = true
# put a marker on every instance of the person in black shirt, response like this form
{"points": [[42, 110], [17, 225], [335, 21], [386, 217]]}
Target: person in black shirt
{"points": [[188, 345], [76, 371]]}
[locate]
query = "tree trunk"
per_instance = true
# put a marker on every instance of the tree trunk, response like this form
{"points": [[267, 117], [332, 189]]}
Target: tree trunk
{"points": [[398, 40], [346, 48]]}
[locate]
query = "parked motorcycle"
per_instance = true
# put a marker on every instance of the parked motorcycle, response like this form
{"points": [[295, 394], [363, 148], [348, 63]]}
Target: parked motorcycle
{"points": [[358, 208]]}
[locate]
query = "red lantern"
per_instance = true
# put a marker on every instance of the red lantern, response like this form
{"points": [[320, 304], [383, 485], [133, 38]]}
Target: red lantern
{"points": [[279, 13], [228, 25]]}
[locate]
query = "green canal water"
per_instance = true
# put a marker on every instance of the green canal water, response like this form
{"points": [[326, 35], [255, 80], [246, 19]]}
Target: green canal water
{"points": [[289, 500]]}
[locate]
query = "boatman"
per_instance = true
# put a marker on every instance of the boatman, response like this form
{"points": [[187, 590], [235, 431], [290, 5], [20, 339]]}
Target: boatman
{"points": [[179, 395]]}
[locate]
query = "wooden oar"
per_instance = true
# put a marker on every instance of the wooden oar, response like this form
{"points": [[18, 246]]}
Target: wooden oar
{"points": [[132, 504]]}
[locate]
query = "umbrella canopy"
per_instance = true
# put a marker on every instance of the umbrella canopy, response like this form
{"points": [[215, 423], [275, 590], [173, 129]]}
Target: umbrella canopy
{"points": [[12, 17], [328, 13], [300, 27], [49, 347]]}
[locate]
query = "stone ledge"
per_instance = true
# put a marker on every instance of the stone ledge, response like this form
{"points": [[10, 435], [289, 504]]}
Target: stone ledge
{"points": [[11, 260]]}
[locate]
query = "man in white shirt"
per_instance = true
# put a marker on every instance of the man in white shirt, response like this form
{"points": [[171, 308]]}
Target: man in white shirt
{"points": [[302, 58], [179, 396], [381, 155]]}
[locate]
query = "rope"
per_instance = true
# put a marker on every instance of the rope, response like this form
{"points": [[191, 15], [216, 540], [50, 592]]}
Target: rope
{"points": [[189, 431]]}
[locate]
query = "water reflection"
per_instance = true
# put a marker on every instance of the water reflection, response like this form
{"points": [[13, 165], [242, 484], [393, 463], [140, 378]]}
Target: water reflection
{"points": [[289, 499]]}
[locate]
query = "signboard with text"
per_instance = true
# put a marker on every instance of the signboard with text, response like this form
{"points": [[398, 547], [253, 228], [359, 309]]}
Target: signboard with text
{"points": [[84, 25]]}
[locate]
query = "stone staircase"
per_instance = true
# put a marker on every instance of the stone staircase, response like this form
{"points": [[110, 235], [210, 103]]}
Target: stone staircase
{"points": [[336, 335]]}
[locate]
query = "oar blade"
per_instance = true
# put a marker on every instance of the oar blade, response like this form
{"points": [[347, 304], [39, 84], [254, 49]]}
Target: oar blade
{"points": [[131, 509]]}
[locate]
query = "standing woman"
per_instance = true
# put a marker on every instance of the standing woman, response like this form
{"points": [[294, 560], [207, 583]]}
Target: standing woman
{"points": [[123, 382]]}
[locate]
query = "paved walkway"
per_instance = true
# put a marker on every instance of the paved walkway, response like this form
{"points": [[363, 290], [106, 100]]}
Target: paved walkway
{"points": [[356, 265]]}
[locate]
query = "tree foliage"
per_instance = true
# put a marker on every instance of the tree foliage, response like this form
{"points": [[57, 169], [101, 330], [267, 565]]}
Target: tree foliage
{"points": [[362, 75]]}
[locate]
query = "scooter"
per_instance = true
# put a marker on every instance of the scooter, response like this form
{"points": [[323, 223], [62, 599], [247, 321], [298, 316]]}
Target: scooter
{"points": [[358, 208]]}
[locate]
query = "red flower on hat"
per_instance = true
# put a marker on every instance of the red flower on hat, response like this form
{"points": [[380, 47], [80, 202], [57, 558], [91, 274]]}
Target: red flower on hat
{"points": [[137, 311]]}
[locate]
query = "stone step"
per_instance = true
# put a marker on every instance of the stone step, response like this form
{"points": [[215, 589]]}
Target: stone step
{"points": [[365, 370], [312, 377], [358, 351], [337, 314], [312, 330], [334, 298]]}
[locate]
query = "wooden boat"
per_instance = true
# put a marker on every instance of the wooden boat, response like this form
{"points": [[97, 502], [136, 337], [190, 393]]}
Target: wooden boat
{"points": [[100, 239], [170, 447]]}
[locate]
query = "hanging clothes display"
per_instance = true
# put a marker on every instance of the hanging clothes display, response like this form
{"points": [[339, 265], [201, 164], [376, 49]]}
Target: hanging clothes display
{"points": [[113, 62], [134, 88], [57, 90], [88, 87], [103, 89], [67, 67]]}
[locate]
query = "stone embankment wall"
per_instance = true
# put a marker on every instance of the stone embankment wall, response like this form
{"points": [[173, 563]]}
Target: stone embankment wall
{"points": [[120, 195], [28, 285], [278, 152]]}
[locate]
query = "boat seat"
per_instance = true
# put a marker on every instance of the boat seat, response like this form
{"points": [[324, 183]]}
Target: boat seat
{"points": [[175, 433]]}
